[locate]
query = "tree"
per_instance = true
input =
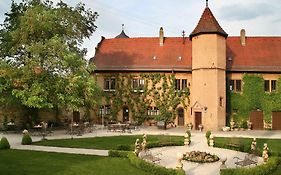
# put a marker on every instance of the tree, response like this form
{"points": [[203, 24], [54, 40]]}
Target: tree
{"points": [[42, 62]]}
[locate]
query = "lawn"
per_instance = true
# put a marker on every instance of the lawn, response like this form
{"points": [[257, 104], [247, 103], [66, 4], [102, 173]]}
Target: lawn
{"points": [[32, 163], [273, 144], [107, 143]]}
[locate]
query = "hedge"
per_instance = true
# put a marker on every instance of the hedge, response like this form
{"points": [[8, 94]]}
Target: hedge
{"points": [[162, 144], [116, 153], [152, 168], [263, 169], [144, 165]]}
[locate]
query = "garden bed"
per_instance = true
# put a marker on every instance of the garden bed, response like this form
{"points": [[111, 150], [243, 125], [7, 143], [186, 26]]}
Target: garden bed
{"points": [[200, 157]]}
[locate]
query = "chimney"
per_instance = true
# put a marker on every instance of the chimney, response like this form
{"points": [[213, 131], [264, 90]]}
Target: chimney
{"points": [[243, 37], [161, 36]]}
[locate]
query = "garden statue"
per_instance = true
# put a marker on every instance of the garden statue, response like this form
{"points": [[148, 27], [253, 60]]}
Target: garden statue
{"points": [[186, 139], [200, 127], [25, 131], [254, 146], [137, 147], [211, 141], [265, 153], [232, 125], [249, 125], [143, 145], [179, 164], [223, 165]]}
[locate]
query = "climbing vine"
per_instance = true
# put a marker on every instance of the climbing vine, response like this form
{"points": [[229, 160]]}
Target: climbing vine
{"points": [[158, 90], [253, 97]]}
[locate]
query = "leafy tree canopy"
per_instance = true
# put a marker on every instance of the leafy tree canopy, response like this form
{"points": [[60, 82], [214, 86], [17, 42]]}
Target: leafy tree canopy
{"points": [[42, 62]]}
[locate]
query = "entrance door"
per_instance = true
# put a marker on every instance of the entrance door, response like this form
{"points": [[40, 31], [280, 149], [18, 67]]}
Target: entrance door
{"points": [[276, 120], [125, 114], [180, 117], [198, 119], [256, 117], [76, 116]]}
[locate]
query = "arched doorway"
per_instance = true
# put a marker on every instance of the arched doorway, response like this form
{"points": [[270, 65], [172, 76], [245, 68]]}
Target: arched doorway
{"points": [[125, 114], [180, 117]]}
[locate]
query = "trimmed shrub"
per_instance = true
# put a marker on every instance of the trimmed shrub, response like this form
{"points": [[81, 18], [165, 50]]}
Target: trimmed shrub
{"points": [[162, 144], [152, 168], [4, 143], [115, 153], [267, 168], [189, 133], [207, 135], [26, 139], [124, 147]]}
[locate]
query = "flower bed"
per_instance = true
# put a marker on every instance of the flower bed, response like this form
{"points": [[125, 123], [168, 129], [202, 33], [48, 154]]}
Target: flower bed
{"points": [[200, 157]]}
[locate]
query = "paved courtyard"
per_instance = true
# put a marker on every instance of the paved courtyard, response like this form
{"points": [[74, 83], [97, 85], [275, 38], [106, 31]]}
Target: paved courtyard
{"points": [[168, 158]]}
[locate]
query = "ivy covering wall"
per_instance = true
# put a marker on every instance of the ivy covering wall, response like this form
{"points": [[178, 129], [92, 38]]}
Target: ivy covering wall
{"points": [[159, 90], [253, 97]]}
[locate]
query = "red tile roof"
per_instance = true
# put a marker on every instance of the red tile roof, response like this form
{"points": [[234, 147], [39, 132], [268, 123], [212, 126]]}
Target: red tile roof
{"points": [[137, 54], [208, 24], [259, 54], [143, 54]]}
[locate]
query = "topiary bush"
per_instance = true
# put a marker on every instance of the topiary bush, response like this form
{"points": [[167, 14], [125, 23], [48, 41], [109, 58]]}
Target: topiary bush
{"points": [[26, 139], [207, 135], [4, 143]]}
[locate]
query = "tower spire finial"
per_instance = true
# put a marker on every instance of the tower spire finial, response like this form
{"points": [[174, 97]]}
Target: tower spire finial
{"points": [[207, 3], [122, 26]]}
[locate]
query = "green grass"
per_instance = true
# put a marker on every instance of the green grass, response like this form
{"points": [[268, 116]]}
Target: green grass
{"points": [[277, 171], [106, 143], [32, 163], [274, 145]]}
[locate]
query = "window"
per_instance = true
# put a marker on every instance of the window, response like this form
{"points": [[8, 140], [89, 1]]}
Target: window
{"points": [[270, 85], [178, 84], [235, 85], [184, 84], [109, 84], [138, 84], [273, 85], [105, 110], [181, 84], [152, 111], [238, 86], [266, 85], [221, 101]]}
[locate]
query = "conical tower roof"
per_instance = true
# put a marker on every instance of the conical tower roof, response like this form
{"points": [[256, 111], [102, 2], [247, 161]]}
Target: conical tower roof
{"points": [[122, 35], [208, 25]]}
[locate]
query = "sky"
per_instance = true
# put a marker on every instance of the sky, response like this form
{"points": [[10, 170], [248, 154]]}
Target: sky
{"points": [[143, 18]]}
